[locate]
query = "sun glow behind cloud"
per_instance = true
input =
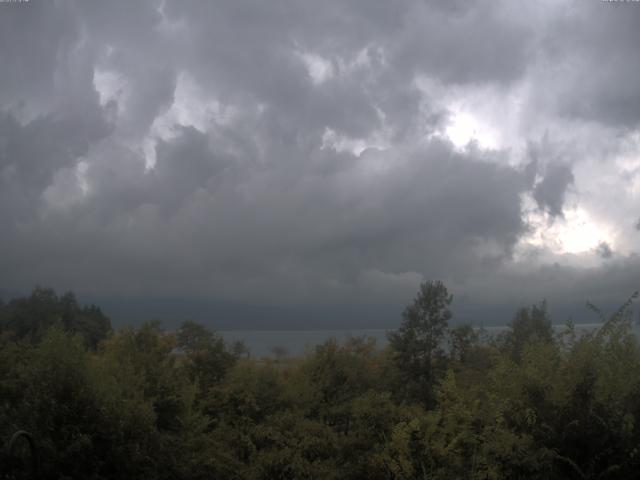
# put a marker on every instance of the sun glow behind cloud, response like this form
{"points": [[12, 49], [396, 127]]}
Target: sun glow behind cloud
{"points": [[465, 127], [578, 233]]}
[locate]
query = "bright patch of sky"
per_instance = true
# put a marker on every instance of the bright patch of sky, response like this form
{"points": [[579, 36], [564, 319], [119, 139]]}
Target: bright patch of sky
{"points": [[465, 128], [191, 107], [109, 84], [319, 69], [578, 233]]}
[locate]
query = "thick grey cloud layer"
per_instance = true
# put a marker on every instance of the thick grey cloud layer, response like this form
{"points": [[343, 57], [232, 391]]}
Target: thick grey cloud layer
{"points": [[550, 192], [297, 152]]}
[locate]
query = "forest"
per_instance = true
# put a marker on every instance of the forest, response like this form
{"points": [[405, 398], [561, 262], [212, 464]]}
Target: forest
{"points": [[441, 401]]}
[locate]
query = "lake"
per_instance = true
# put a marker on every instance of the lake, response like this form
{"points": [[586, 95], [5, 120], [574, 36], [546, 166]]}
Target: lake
{"points": [[297, 342]]}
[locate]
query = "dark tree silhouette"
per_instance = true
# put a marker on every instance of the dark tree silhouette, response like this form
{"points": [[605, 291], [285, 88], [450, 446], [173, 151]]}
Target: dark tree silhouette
{"points": [[417, 344]]}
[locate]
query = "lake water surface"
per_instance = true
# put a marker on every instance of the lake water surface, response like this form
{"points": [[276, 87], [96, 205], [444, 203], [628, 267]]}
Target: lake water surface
{"points": [[296, 342]]}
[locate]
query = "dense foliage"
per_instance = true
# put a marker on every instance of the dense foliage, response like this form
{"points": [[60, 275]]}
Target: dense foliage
{"points": [[437, 403]]}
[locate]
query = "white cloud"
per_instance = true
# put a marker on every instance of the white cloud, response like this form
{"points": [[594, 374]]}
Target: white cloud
{"points": [[320, 69]]}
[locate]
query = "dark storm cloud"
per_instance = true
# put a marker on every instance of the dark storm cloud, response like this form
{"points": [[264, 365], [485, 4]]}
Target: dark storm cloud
{"points": [[549, 176], [550, 192], [604, 250], [469, 44], [196, 218], [565, 288], [49, 111], [397, 42], [283, 151], [33, 46], [31, 154], [593, 45]]}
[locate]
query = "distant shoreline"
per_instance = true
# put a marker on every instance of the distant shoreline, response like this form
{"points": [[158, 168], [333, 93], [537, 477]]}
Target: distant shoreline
{"points": [[295, 342]]}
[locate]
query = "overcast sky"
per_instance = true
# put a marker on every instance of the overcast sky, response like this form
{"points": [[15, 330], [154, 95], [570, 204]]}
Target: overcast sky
{"points": [[321, 155]]}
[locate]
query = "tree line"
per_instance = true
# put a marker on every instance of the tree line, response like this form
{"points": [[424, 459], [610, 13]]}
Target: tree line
{"points": [[439, 402]]}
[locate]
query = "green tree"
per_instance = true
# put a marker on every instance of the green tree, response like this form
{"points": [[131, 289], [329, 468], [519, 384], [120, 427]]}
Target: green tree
{"points": [[417, 345], [530, 325], [290, 446], [30, 317], [463, 339], [144, 365], [207, 356], [336, 375]]}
